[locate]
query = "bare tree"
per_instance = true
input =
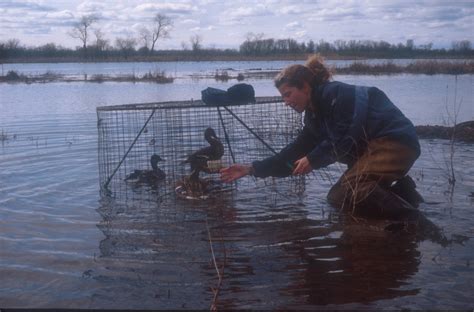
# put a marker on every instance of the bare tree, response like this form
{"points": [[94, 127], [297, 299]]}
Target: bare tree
{"points": [[81, 29], [100, 41], [196, 42], [13, 44], [144, 35], [162, 25], [126, 45], [463, 45]]}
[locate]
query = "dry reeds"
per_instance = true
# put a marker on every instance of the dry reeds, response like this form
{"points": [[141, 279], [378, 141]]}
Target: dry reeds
{"points": [[222, 75], [13, 76], [156, 77], [3, 136], [427, 67]]}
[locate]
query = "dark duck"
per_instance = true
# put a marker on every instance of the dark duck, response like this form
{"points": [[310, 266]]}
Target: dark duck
{"points": [[198, 161], [148, 176]]}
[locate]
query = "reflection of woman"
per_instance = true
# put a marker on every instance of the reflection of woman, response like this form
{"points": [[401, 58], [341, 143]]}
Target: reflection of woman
{"points": [[355, 125], [363, 265]]}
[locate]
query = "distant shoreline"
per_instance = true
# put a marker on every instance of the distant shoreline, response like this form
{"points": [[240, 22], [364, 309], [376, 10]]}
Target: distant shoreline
{"points": [[160, 58], [209, 58]]}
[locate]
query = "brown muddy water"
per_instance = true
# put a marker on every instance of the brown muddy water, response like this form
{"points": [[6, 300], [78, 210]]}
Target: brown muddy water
{"points": [[62, 245]]}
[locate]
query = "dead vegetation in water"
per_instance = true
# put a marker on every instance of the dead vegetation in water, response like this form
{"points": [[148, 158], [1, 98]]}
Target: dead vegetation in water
{"points": [[155, 77], [49, 76], [223, 75], [5, 137], [12, 76], [427, 67]]}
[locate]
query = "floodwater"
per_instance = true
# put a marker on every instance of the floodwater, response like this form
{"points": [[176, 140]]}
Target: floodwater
{"points": [[63, 246]]}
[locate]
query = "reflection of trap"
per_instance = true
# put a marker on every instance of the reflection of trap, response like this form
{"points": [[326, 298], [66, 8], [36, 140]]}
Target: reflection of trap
{"points": [[129, 135]]}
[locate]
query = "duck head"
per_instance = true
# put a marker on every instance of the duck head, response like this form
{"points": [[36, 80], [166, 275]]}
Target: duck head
{"points": [[154, 159], [210, 135]]}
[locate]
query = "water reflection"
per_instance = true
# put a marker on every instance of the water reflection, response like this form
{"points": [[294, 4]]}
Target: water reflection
{"points": [[353, 264], [305, 263]]}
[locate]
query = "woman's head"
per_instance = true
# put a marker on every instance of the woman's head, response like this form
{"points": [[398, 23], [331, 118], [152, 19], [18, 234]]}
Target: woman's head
{"points": [[296, 82]]}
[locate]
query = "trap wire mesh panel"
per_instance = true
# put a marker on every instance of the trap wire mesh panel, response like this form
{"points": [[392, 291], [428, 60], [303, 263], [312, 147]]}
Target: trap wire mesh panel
{"points": [[130, 134]]}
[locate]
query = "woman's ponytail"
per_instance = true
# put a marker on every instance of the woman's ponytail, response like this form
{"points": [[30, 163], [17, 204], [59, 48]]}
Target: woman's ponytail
{"points": [[321, 73], [313, 73]]}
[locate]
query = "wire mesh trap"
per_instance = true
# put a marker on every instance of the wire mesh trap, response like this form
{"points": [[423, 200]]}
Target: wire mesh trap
{"points": [[129, 135]]}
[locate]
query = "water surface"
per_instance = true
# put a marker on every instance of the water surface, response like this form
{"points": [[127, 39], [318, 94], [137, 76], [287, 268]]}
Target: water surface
{"points": [[63, 246]]}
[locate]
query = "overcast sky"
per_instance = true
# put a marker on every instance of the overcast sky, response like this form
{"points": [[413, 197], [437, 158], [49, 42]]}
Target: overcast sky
{"points": [[224, 24]]}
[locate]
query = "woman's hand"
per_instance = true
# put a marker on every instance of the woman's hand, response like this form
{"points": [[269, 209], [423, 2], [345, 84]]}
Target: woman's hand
{"points": [[235, 172], [302, 166]]}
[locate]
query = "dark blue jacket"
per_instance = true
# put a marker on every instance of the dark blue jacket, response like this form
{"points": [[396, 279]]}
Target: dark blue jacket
{"points": [[342, 120]]}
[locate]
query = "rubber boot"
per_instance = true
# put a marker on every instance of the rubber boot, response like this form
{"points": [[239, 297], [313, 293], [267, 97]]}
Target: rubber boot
{"points": [[384, 204], [406, 189]]}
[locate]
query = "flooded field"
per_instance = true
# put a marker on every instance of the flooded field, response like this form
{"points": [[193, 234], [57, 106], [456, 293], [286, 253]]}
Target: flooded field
{"points": [[62, 245]]}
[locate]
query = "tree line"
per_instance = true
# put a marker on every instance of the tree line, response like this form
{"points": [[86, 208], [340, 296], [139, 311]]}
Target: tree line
{"points": [[93, 45], [256, 44]]}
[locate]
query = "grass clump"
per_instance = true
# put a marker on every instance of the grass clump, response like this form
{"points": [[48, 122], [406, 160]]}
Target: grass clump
{"points": [[158, 77], [12, 76], [222, 75], [433, 67]]}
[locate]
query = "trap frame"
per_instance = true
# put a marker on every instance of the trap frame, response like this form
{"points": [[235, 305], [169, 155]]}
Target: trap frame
{"points": [[129, 134]]}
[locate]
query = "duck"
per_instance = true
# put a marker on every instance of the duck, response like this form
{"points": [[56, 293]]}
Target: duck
{"points": [[148, 176], [198, 160], [187, 188], [192, 186]]}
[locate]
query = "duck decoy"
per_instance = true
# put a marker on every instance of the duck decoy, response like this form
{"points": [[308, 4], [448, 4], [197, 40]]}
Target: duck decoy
{"points": [[198, 160], [148, 176]]}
